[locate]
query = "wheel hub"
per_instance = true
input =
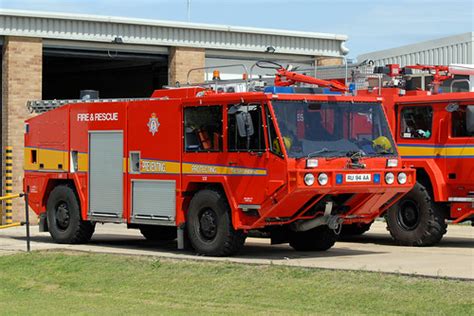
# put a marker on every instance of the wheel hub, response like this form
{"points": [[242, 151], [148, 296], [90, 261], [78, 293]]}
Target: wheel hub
{"points": [[208, 224], [62, 216], [409, 215]]}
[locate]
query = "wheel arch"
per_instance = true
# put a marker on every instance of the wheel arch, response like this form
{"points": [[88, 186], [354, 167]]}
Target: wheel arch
{"points": [[431, 177], [53, 183], [222, 187]]}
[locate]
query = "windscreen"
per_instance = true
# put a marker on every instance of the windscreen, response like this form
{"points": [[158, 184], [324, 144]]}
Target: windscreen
{"points": [[315, 129]]}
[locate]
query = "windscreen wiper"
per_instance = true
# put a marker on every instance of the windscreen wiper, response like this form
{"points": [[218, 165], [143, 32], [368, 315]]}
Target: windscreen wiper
{"points": [[355, 153], [323, 150]]}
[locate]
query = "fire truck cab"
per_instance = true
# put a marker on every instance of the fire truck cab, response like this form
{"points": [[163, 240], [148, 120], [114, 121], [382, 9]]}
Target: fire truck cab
{"points": [[435, 134], [207, 166]]}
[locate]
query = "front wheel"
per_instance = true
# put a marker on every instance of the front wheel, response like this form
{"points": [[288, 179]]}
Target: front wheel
{"points": [[416, 220], [64, 217], [320, 238], [209, 225]]}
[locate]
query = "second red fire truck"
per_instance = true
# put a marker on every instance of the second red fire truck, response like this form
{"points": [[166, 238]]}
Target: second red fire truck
{"points": [[434, 131], [208, 164]]}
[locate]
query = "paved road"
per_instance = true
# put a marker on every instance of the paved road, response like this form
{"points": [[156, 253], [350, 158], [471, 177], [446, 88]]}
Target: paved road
{"points": [[374, 251]]}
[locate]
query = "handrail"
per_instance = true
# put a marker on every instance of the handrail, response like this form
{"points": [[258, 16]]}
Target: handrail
{"points": [[11, 196]]}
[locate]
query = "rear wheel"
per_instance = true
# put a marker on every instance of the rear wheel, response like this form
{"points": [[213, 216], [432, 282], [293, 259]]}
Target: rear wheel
{"points": [[416, 220], [158, 233], [64, 217], [320, 238], [355, 229], [209, 225]]}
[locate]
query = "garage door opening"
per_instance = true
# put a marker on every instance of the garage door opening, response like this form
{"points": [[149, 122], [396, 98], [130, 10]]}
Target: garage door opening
{"points": [[114, 74]]}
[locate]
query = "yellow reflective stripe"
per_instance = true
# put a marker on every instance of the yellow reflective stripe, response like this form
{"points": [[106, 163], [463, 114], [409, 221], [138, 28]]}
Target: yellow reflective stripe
{"points": [[435, 151], [50, 159], [159, 166], [82, 162], [191, 168]]}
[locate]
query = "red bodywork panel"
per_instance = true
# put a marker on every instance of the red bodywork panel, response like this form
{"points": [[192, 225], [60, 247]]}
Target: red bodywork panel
{"points": [[270, 184]]}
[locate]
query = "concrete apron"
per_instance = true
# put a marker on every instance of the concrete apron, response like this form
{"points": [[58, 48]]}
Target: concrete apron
{"points": [[374, 251]]}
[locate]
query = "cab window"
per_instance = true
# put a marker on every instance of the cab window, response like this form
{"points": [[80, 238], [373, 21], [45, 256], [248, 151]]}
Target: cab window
{"points": [[416, 122], [203, 129], [459, 123], [245, 128]]}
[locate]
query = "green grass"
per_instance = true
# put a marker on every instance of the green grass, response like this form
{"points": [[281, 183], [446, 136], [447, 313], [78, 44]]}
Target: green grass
{"points": [[72, 283]]}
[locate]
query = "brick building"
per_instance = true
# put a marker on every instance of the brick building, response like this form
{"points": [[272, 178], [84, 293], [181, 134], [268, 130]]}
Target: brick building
{"points": [[55, 56]]}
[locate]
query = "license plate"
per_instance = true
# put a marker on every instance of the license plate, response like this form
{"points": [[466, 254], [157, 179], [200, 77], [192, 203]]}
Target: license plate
{"points": [[359, 177]]}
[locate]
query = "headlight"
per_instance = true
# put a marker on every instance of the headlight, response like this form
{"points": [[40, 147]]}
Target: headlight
{"points": [[389, 178], [392, 163], [309, 179], [312, 163], [402, 178], [323, 179]]}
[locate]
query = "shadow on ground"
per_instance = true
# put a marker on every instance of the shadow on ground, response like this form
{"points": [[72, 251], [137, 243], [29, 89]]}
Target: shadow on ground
{"points": [[386, 240], [251, 250]]}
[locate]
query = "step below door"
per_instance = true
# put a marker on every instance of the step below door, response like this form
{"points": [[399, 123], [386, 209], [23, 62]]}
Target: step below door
{"points": [[106, 175]]}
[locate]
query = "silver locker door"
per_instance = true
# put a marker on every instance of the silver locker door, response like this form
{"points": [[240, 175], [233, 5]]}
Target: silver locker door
{"points": [[106, 174], [154, 201]]}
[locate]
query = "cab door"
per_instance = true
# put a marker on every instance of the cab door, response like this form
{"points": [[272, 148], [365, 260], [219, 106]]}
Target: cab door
{"points": [[415, 136], [459, 153], [246, 146]]}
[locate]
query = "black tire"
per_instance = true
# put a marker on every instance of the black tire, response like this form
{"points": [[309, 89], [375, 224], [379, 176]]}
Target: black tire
{"points": [[209, 225], [355, 229], [158, 233], [320, 238], [416, 220], [64, 217]]}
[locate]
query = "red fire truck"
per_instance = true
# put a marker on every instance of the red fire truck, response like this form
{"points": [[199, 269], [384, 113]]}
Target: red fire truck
{"points": [[435, 134], [207, 164]]}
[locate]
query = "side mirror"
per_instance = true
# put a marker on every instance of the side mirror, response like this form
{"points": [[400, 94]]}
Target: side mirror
{"points": [[452, 107], [244, 124], [470, 119]]}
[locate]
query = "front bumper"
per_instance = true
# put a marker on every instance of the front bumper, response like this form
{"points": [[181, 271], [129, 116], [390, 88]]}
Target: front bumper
{"points": [[354, 201]]}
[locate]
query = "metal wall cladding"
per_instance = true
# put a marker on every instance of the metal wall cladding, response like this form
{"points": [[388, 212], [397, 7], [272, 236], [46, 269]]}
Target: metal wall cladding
{"points": [[106, 173], [456, 49], [154, 199], [148, 32]]}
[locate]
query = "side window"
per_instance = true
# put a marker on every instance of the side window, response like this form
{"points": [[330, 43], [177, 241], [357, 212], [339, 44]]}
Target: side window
{"points": [[459, 123], [272, 135], [416, 122], [203, 128], [245, 128]]}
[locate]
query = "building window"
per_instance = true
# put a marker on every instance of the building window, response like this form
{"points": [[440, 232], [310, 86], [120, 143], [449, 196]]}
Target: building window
{"points": [[245, 128], [416, 122], [459, 123], [203, 129]]}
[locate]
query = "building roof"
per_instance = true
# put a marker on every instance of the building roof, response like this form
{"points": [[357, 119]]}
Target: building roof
{"points": [[94, 28], [457, 49]]}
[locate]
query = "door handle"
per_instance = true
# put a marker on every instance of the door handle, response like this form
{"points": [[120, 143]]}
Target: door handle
{"points": [[232, 163]]}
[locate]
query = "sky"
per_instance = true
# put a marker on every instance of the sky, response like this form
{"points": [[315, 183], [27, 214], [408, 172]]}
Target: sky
{"points": [[370, 24]]}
